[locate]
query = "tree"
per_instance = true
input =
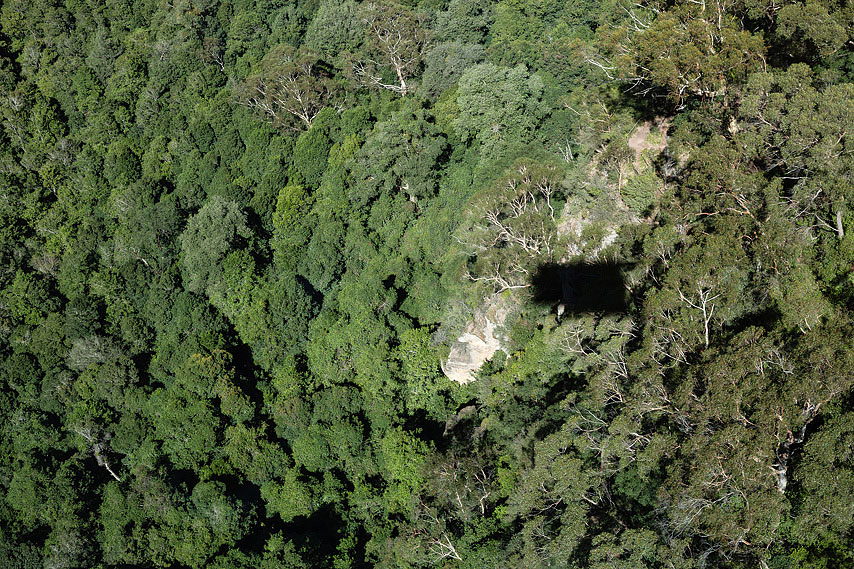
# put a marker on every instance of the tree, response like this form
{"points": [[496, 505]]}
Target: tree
{"points": [[290, 84], [400, 455], [400, 156], [800, 132], [291, 231], [706, 287], [445, 64], [810, 30], [148, 233], [511, 228], [396, 40], [464, 21], [553, 495], [826, 475], [218, 228], [311, 151], [289, 497], [223, 515], [631, 549], [187, 426], [499, 108], [335, 28], [687, 51], [420, 370]]}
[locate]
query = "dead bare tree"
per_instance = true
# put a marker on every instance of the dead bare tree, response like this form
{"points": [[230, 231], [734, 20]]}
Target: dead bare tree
{"points": [[99, 446], [704, 302]]}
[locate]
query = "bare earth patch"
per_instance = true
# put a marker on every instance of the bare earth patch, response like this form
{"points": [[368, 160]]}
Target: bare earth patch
{"points": [[640, 141]]}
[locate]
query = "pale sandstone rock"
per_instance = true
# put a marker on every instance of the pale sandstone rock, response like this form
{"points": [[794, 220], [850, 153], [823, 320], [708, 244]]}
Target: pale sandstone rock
{"points": [[478, 342]]}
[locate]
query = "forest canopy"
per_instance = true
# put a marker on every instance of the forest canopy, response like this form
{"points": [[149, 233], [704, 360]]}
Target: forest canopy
{"points": [[244, 244]]}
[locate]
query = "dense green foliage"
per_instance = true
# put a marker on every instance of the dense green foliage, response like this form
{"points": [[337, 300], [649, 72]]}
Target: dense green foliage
{"points": [[237, 238]]}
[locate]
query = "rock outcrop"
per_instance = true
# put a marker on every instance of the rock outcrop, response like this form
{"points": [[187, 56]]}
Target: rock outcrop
{"points": [[478, 342]]}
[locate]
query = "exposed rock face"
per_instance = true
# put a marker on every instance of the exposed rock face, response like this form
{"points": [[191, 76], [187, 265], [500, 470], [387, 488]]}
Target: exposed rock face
{"points": [[478, 342], [481, 339]]}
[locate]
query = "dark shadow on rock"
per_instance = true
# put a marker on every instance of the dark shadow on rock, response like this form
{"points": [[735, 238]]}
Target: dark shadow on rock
{"points": [[581, 287]]}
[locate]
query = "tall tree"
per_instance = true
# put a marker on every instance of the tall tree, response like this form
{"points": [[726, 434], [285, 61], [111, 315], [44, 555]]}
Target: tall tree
{"points": [[396, 41]]}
